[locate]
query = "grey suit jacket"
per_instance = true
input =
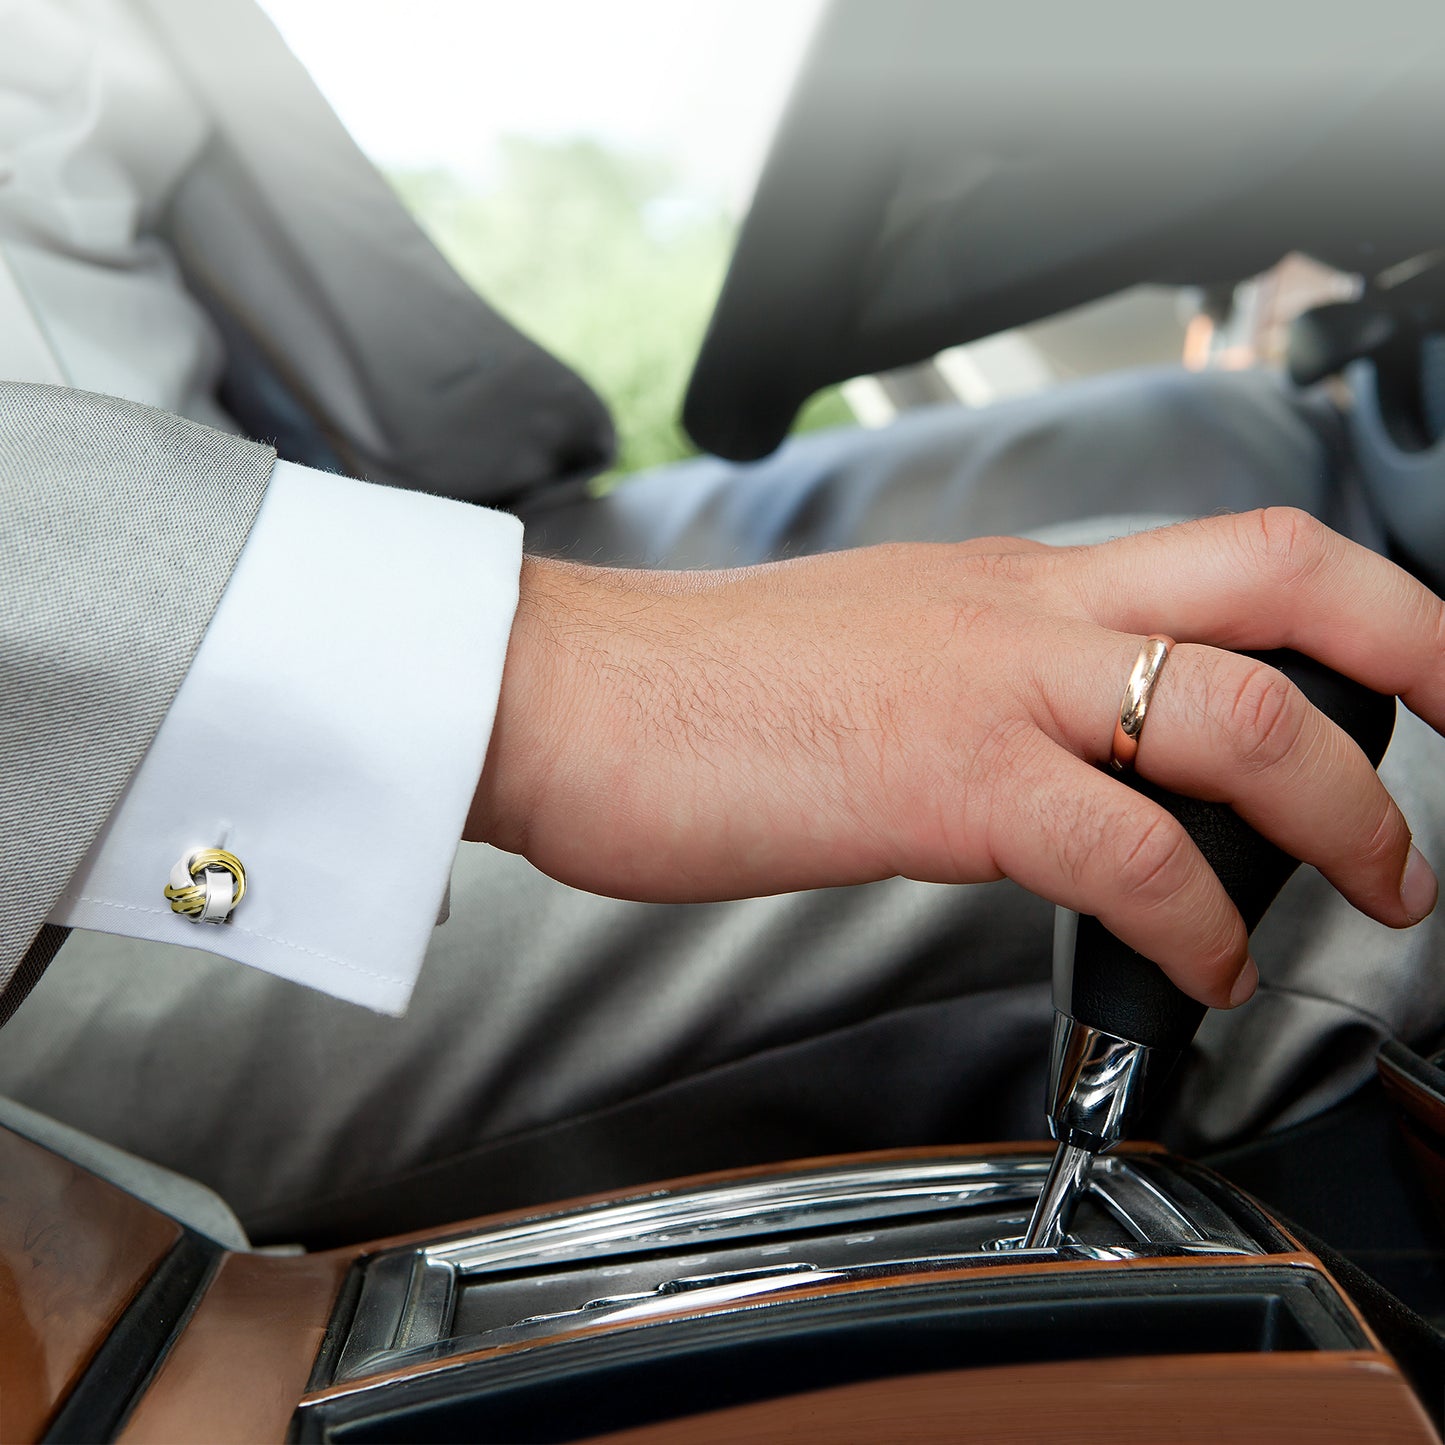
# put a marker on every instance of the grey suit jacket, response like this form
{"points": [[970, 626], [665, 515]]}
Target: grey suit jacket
{"points": [[119, 528]]}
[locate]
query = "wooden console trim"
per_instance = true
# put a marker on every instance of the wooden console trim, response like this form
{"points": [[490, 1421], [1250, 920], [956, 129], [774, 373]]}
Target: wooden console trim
{"points": [[1332, 1399], [73, 1252], [244, 1359]]}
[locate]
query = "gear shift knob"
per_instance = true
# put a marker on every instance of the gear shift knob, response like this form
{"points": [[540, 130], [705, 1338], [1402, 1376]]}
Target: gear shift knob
{"points": [[1120, 1025]]}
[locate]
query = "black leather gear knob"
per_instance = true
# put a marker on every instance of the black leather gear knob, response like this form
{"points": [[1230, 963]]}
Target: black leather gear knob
{"points": [[1119, 991]]}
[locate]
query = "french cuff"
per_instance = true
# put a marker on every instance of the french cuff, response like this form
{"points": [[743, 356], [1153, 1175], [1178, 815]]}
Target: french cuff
{"points": [[329, 735]]}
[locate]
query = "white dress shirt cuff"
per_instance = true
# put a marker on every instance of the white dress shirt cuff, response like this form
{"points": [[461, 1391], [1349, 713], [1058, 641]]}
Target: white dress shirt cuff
{"points": [[330, 733]]}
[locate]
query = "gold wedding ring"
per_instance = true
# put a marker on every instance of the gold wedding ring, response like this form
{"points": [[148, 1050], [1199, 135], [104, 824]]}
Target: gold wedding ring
{"points": [[1137, 692]]}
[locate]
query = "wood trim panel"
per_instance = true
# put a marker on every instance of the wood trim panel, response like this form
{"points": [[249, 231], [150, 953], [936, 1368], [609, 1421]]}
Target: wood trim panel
{"points": [[73, 1252], [243, 1361], [1186, 1400], [1416, 1088]]}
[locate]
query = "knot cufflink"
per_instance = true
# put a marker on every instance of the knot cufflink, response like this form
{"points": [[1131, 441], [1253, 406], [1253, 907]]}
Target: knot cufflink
{"points": [[206, 885]]}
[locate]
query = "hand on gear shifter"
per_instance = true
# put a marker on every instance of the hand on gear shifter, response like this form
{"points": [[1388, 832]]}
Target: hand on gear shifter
{"points": [[1119, 1022]]}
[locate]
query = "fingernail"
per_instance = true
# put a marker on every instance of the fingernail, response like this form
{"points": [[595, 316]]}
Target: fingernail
{"points": [[1418, 888], [1245, 984]]}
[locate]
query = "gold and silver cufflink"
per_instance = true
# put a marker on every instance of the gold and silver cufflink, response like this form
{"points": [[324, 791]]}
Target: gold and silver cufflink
{"points": [[206, 884]]}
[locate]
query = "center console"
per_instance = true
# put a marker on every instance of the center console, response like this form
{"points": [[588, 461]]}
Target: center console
{"points": [[882, 1297], [652, 1313]]}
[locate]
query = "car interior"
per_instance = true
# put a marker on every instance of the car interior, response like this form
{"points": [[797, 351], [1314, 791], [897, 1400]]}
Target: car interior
{"points": [[1289, 1288]]}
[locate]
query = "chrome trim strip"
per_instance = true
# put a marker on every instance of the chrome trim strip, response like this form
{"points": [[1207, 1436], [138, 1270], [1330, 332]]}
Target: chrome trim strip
{"points": [[758, 1207], [811, 1201], [1144, 1209]]}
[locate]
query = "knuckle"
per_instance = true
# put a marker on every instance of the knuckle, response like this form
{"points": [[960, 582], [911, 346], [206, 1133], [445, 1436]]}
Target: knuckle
{"points": [[1387, 846], [1004, 564], [1265, 716], [1289, 542], [1008, 566], [1221, 960], [1079, 835], [1154, 862]]}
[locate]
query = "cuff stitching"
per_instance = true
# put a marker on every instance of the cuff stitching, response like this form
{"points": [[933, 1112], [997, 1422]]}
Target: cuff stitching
{"points": [[253, 933]]}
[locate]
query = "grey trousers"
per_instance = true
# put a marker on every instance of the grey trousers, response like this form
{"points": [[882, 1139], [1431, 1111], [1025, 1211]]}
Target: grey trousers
{"points": [[559, 1042]]}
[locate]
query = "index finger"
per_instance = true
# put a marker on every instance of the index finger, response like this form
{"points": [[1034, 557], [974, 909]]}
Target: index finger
{"points": [[1277, 577]]}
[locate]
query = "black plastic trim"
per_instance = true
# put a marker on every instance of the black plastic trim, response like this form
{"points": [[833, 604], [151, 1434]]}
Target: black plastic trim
{"points": [[338, 1327], [1242, 1208], [130, 1355]]}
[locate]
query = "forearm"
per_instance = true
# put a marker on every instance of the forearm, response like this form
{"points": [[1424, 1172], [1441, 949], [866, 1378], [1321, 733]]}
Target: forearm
{"points": [[671, 736]]}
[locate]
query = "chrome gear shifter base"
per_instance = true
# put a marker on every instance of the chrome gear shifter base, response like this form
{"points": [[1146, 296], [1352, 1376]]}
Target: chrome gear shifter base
{"points": [[1064, 1183], [1097, 1083], [1096, 1093]]}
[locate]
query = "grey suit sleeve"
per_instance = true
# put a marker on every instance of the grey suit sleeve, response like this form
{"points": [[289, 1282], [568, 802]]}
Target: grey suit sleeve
{"points": [[119, 528]]}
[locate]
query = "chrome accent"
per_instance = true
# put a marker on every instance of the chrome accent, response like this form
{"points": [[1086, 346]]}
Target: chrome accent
{"points": [[1063, 1185], [1096, 1093], [1148, 1213], [699, 1289], [1071, 1250], [1096, 1083], [738, 1211], [755, 1243]]}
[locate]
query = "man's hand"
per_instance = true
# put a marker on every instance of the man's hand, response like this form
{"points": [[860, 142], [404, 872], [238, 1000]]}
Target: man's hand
{"points": [[939, 711]]}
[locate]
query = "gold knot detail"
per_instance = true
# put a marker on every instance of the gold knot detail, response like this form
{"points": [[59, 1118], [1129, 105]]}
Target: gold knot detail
{"points": [[206, 885]]}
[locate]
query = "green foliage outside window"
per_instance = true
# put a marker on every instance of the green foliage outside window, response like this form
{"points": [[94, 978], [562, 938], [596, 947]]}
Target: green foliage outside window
{"points": [[583, 249]]}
